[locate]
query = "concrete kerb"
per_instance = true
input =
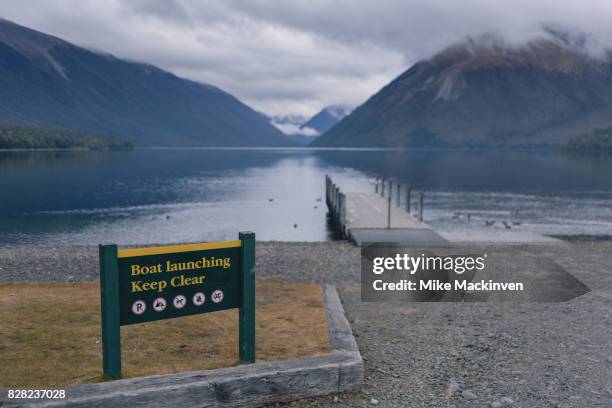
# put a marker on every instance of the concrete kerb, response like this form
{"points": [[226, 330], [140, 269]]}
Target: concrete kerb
{"points": [[246, 385]]}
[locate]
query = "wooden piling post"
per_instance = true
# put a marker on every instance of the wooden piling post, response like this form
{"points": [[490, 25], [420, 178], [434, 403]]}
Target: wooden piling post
{"points": [[376, 186], [382, 187], [337, 199], [390, 189], [420, 213], [389, 213], [327, 190], [342, 212], [399, 189], [339, 215], [408, 199]]}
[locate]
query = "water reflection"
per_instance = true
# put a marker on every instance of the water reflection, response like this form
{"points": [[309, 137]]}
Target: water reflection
{"points": [[175, 195]]}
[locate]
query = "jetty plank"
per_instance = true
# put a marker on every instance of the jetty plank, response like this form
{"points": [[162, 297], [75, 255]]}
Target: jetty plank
{"points": [[369, 210], [366, 217]]}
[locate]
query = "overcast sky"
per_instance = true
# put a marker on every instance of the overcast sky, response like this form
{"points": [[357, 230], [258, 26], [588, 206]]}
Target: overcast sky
{"points": [[290, 56]]}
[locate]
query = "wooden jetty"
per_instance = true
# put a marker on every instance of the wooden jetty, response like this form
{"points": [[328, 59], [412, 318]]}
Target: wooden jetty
{"points": [[377, 218]]}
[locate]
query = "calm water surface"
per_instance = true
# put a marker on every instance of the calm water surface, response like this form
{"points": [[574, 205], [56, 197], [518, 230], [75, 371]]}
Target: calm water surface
{"points": [[173, 195]]}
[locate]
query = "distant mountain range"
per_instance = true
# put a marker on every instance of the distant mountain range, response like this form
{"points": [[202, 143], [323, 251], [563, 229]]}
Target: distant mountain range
{"points": [[303, 131], [480, 92], [327, 118], [484, 93], [50, 83]]}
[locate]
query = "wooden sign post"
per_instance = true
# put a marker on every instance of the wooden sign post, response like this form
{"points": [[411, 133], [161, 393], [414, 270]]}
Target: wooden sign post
{"points": [[139, 285]]}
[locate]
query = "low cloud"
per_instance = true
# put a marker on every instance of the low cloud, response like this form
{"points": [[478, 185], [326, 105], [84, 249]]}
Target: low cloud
{"points": [[298, 56], [293, 129]]}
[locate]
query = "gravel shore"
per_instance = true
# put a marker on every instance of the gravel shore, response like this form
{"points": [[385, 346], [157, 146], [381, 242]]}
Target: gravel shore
{"points": [[430, 354]]}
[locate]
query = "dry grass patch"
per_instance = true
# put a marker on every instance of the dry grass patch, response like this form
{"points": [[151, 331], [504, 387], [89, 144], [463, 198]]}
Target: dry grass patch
{"points": [[50, 334]]}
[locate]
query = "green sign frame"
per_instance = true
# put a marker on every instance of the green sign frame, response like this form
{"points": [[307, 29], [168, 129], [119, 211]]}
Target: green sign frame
{"points": [[139, 285]]}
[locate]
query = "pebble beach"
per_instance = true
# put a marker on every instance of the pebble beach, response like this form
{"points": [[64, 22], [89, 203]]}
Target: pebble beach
{"points": [[429, 354]]}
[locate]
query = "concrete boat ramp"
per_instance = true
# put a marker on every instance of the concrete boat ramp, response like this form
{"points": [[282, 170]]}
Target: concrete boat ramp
{"points": [[372, 217]]}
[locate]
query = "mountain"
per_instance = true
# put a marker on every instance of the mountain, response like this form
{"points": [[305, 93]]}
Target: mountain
{"points": [[290, 125], [485, 93], [327, 118], [303, 131], [50, 83]]}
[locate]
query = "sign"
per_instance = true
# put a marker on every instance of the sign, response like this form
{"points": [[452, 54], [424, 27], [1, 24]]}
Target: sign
{"points": [[145, 284]]}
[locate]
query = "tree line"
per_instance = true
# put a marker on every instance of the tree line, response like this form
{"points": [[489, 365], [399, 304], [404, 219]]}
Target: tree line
{"points": [[22, 137]]}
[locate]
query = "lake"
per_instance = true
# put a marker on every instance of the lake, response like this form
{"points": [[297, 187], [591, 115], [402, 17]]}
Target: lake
{"points": [[150, 196]]}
